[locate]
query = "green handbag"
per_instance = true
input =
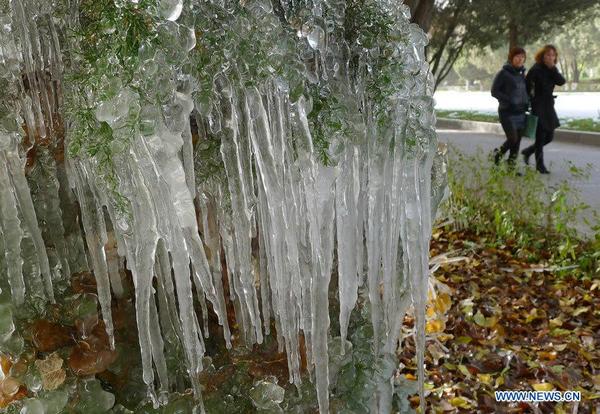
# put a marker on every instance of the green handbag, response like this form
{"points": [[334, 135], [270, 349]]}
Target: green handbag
{"points": [[531, 122]]}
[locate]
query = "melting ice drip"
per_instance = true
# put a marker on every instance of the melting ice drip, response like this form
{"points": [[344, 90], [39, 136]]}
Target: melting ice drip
{"points": [[323, 124]]}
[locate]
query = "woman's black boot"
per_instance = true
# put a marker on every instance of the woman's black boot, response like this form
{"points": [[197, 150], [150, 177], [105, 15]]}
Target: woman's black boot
{"points": [[498, 154], [539, 164], [527, 152]]}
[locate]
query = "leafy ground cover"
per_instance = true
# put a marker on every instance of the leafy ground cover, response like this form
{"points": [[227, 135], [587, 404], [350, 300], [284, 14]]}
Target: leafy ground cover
{"points": [[584, 124], [516, 298], [511, 325]]}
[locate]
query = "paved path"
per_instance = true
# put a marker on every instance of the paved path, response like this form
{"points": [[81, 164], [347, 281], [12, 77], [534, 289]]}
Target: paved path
{"points": [[557, 156]]}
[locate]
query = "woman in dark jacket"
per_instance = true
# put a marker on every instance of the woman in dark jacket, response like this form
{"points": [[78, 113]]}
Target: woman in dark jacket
{"points": [[511, 91], [541, 79]]}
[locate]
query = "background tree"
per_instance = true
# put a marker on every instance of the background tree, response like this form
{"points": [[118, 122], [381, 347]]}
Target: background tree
{"points": [[477, 67], [578, 44], [458, 25], [532, 19], [579, 48], [421, 12]]}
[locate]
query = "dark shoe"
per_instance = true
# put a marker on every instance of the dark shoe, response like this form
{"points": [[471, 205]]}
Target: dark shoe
{"points": [[497, 156], [539, 164], [526, 155], [511, 166], [542, 169]]}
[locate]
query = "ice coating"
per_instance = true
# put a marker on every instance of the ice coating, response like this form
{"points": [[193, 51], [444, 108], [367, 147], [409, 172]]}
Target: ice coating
{"points": [[268, 151], [18, 215]]}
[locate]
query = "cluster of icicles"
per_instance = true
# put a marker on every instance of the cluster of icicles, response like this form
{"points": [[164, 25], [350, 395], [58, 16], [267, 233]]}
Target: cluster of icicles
{"points": [[365, 217]]}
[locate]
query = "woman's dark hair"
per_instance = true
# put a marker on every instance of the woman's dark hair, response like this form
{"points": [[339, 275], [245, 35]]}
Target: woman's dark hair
{"points": [[514, 52], [539, 56]]}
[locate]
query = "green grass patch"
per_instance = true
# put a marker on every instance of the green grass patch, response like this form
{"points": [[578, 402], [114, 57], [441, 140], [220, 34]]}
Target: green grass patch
{"points": [[467, 115], [525, 212], [583, 124]]}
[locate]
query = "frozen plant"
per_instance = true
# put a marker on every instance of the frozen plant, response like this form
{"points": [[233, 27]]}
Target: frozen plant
{"points": [[294, 138]]}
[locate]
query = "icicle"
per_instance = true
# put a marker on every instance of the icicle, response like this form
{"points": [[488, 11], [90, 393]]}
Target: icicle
{"points": [[417, 216], [321, 228], [114, 266], [73, 237], [95, 234], [203, 276], [183, 226], [320, 204], [45, 190], [270, 183], [211, 238], [166, 291], [272, 263], [278, 112], [375, 228], [29, 40], [10, 225], [188, 159], [347, 223], [241, 314], [265, 291], [235, 155], [29, 221], [141, 263], [158, 347]]}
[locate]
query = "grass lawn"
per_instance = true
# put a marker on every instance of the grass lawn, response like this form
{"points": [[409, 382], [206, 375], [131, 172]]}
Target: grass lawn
{"points": [[584, 124]]}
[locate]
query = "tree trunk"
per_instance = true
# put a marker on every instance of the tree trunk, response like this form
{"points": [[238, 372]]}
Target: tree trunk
{"points": [[513, 35], [435, 60], [566, 68], [576, 70], [453, 55], [421, 12]]}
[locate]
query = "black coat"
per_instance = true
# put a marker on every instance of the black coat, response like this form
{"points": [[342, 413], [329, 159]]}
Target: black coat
{"points": [[510, 89], [540, 86]]}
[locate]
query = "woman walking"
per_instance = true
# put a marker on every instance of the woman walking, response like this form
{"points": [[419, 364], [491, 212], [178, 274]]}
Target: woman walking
{"points": [[541, 79], [510, 89]]}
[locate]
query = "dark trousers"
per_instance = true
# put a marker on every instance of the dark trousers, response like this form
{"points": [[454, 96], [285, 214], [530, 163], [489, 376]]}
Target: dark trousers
{"points": [[542, 137], [512, 143]]}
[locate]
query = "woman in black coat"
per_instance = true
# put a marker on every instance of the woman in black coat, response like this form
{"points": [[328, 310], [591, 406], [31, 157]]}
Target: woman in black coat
{"points": [[541, 79], [510, 89]]}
